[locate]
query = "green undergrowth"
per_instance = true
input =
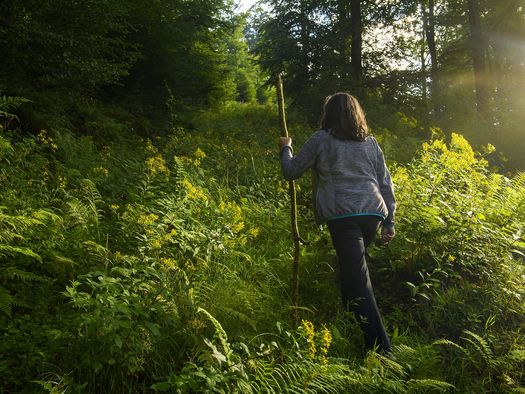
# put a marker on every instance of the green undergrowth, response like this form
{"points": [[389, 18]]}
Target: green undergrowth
{"points": [[164, 264]]}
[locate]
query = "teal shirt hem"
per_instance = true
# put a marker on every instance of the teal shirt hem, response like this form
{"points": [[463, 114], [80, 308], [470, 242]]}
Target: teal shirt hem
{"points": [[359, 214]]}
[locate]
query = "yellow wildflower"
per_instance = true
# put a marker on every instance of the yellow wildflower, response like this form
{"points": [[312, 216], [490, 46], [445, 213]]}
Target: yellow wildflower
{"points": [[199, 154], [237, 211], [461, 156], [281, 188], [101, 171], [488, 149], [238, 226], [408, 120], [193, 192], [42, 137], [326, 340], [157, 165], [62, 182], [156, 243], [150, 147], [45, 175], [168, 262], [254, 231], [147, 220], [401, 176], [309, 331], [165, 238], [45, 139], [460, 143]]}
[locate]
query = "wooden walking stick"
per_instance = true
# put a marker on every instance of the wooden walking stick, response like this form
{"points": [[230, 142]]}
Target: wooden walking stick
{"points": [[293, 197]]}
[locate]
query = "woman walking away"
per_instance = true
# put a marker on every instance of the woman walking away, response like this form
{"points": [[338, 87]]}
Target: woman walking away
{"points": [[353, 194]]}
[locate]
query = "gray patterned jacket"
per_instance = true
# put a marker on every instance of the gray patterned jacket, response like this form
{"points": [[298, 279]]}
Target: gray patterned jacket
{"points": [[349, 177]]}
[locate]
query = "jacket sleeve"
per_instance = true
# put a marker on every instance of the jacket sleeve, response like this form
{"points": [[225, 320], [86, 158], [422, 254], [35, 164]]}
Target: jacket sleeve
{"points": [[386, 187], [295, 166]]}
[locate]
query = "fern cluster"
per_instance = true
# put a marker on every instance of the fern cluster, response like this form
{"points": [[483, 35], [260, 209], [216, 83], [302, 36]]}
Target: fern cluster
{"points": [[8, 104], [14, 233]]}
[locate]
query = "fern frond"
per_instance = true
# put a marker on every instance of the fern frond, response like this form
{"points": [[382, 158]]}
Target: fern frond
{"points": [[96, 250], [201, 291], [518, 182], [78, 211], [65, 260], [12, 226], [8, 250], [481, 347], [517, 355], [310, 377], [44, 216], [239, 316], [392, 369], [426, 385], [93, 198], [6, 301], [447, 342], [219, 331], [91, 192], [24, 276], [512, 196], [9, 103], [180, 168]]}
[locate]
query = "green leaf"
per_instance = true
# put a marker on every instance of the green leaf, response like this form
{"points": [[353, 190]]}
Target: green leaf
{"points": [[162, 386], [153, 327]]}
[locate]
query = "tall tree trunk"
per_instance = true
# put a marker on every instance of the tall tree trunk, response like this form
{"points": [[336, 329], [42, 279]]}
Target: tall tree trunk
{"points": [[422, 58], [305, 39], [345, 38], [478, 47], [357, 40], [429, 24]]}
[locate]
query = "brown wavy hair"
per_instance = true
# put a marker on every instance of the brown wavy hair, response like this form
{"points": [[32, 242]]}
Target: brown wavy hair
{"points": [[344, 117]]}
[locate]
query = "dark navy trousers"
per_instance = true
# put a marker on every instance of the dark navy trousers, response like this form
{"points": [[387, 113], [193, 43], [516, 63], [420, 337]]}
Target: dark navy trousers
{"points": [[351, 236]]}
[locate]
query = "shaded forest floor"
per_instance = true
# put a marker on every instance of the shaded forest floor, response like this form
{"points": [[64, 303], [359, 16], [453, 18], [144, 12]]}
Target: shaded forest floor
{"points": [[165, 264]]}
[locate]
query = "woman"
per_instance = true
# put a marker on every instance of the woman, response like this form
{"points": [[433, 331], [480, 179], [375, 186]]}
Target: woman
{"points": [[353, 194]]}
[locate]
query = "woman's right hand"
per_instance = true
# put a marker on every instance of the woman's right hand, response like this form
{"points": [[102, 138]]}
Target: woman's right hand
{"points": [[285, 141], [387, 234]]}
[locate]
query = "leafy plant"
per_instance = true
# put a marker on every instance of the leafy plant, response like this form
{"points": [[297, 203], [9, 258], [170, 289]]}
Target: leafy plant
{"points": [[476, 359], [15, 255], [8, 104]]}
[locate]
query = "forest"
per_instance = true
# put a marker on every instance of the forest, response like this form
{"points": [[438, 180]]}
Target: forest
{"points": [[145, 238]]}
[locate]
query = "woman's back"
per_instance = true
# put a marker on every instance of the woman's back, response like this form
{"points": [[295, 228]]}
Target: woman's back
{"points": [[347, 176]]}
